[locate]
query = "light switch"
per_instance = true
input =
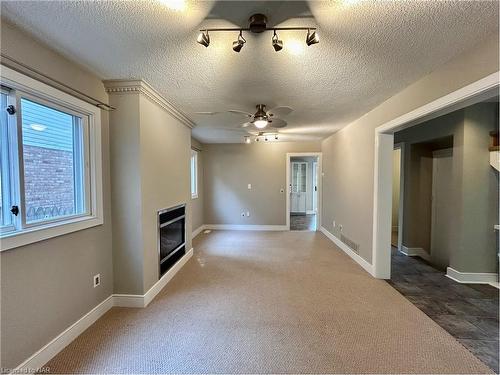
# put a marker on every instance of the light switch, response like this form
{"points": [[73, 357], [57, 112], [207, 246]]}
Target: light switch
{"points": [[249, 186]]}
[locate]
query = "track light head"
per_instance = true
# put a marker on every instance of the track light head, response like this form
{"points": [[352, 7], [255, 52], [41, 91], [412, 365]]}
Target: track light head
{"points": [[277, 44], [238, 44], [204, 38], [312, 38], [247, 139]]}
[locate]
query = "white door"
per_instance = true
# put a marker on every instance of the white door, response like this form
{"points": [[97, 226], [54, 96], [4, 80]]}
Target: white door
{"points": [[315, 187], [298, 187]]}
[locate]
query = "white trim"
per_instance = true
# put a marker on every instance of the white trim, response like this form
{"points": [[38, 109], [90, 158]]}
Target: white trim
{"points": [[402, 148], [319, 155], [19, 81], [415, 252], [47, 352], [468, 95], [310, 212], [137, 300], [197, 231], [245, 227], [472, 277], [125, 86], [357, 258], [495, 159]]}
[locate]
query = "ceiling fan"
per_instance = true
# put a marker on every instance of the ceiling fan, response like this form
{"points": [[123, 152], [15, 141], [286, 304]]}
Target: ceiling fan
{"points": [[261, 118]]}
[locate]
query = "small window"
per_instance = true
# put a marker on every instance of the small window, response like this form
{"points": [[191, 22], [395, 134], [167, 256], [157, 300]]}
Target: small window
{"points": [[50, 162], [194, 174]]}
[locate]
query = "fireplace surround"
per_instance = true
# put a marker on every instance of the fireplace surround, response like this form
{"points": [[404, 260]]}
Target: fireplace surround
{"points": [[171, 237]]}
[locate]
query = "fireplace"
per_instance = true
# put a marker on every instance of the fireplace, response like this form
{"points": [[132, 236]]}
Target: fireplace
{"points": [[171, 236]]}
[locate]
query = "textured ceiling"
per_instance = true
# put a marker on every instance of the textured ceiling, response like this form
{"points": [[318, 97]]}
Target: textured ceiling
{"points": [[368, 52]]}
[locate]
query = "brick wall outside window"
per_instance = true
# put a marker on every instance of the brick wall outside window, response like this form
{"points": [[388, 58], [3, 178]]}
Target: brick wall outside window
{"points": [[49, 182]]}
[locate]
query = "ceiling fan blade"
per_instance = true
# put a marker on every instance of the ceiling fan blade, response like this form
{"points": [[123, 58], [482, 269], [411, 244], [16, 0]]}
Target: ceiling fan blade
{"points": [[237, 112], [277, 123], [280, 111], [207, 113], [246, 124]]}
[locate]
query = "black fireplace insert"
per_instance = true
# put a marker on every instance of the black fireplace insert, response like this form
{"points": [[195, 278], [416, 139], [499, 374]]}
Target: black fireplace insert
{"points": [[171, 236]]}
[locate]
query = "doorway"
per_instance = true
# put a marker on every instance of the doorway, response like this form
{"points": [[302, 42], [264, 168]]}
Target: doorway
{"points": [[303, 191]]}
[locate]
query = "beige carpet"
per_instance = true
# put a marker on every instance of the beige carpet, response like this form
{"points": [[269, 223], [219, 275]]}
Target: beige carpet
{"points": [[269, 302]]}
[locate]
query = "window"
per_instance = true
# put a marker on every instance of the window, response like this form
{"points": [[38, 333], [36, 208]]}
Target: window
{"points": [[50, 181], [194, 174]]}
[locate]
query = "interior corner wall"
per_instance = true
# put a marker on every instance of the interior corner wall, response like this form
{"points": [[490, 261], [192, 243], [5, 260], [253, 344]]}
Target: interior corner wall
{"points": [[348, 155], [36, 308], [229, 168], [197, 204], [417, 203]]}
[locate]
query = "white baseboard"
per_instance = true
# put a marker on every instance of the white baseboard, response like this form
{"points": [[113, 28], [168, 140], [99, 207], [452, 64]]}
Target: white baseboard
{"points": [[245, 227], [137, 300], [415, 252], [472, 277], [45, 354], [357, 258], [198, 230]]}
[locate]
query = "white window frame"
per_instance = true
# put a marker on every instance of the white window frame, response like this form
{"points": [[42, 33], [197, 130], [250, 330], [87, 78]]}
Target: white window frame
{"points": [[32, 89], [194, 154]]}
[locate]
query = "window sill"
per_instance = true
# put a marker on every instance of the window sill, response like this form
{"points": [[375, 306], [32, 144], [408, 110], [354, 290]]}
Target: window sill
{"points": [[194, 196], [28, 236]]}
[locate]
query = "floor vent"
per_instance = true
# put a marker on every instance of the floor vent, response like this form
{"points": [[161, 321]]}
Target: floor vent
{"points": [[350, 243]]}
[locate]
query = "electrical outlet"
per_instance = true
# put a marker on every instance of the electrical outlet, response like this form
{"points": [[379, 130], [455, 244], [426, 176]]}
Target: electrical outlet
{"points": [[97, 280], [248, 213], [249, 186]]}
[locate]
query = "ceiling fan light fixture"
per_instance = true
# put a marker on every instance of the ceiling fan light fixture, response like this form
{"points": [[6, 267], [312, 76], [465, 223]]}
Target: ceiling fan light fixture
{"points": [[312, 38], [239, 43], [260, 123], [277, 44], [204, 38]]}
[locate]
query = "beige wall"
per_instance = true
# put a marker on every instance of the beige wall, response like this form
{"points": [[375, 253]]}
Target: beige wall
{"points": [[466, 238], [348, 155], [150, 156], [47, 286], [229, 168], [165, 146], [197, 204]]}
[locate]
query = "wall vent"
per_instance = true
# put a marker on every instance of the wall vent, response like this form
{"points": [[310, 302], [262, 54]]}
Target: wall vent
{"points": [[350, 243]]}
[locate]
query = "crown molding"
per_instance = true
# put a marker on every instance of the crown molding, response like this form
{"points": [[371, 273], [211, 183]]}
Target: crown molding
{"points": [[123, 87]]}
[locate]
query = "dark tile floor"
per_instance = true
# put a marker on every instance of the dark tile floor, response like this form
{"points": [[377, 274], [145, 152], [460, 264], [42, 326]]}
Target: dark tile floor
{"points": [[303, 222], [469, 312]]}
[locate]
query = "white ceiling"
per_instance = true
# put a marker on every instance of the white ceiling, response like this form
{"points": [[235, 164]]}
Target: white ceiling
{"points": [[368, 52]]}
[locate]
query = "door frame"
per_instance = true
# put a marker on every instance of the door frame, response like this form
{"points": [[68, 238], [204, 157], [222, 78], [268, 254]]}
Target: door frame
{"points": [[289, 155], [473, 93], [401, 147]]}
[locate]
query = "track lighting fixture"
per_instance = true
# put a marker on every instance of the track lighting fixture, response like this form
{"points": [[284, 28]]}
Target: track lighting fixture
{"points": [[247, 139], [277, 44], [312, 38], [258, 24], [239, 43], [204, 38]]}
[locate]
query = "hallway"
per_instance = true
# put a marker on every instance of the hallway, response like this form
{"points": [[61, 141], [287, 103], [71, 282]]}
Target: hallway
{"points": [[268, 302]]}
